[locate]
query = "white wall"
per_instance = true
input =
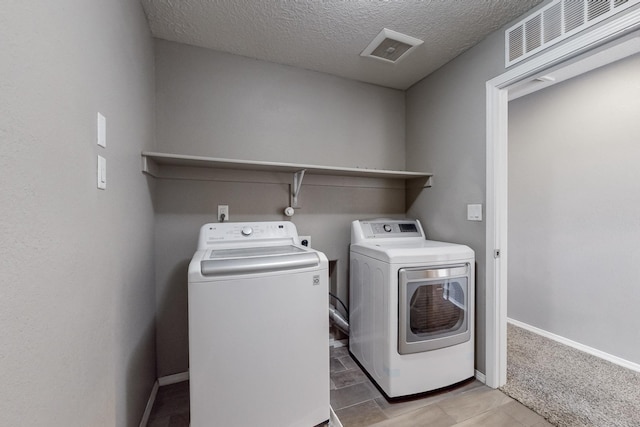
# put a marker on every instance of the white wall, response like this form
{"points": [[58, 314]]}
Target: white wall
{"points": [[76, 263], [217, 104], [574, 203]]}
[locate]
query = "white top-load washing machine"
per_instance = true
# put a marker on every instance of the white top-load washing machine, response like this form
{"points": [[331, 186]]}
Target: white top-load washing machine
{"points": [[258, 328], [411, 307]]}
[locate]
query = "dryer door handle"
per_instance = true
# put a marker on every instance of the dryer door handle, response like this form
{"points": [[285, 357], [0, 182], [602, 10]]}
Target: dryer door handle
{"points": [[411, 275]]}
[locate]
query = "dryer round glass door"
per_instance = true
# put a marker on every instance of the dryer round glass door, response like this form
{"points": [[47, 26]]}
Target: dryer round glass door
{"points": [[433, 308]]}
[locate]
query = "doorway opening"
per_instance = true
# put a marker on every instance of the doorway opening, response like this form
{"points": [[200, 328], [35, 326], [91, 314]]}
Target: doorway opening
{"points": [[608, 43]]}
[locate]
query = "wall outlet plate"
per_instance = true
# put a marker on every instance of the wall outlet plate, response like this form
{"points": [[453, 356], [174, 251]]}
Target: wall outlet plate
{"points": [[223, 210]]}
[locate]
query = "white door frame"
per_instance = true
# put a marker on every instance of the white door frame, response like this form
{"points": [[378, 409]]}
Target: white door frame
{"points": [[590, 47]]}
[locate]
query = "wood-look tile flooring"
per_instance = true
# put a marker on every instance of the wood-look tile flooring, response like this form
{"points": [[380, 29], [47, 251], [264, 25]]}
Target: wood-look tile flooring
{"points": [[171, 407], [358, 403]]}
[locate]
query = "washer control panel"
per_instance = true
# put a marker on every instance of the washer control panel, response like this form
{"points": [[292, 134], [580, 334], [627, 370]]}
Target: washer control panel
{"points": [[228, 232]]}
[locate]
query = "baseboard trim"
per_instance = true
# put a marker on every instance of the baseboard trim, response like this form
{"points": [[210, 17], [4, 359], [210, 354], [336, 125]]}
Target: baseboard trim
{"points": [[169, 379], [173, 379], [481, 377], [566, 341], [333, 419], [150, 402]]}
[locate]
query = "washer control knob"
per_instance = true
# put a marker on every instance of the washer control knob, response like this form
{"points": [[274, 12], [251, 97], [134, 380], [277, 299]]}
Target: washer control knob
{"points": [[387, 228], [247, 231]]}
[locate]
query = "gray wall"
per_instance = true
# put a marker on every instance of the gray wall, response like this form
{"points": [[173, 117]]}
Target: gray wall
{"points": [[574, 199], [446, 136], [221, 105], [77, 285]]}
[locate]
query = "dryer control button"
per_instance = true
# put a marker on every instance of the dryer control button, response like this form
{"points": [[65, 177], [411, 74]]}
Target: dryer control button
{"points": [[387, 228], [247, 231]]}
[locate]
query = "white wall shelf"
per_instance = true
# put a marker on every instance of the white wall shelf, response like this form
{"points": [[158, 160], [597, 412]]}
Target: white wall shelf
{"points": [[179, 166], [149, 157], [153, 163]]}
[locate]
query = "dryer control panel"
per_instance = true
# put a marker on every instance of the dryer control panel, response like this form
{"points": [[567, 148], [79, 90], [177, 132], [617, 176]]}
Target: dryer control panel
{"points": [[386, 229]]}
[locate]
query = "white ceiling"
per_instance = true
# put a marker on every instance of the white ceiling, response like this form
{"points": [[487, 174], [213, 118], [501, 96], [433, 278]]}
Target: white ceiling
{"points": [[328, 35]]}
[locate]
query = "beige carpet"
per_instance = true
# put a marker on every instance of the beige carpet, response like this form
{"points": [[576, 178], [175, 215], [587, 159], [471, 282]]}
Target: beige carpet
{"points": [[569, 387]]}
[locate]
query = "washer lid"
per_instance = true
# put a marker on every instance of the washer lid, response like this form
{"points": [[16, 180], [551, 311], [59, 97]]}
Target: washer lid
{"points": [[423, 251], [254, 251]]}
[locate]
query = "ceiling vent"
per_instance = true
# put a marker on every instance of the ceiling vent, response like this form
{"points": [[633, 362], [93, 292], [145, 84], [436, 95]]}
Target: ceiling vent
{"points": [[390, 46], [555, 22]]}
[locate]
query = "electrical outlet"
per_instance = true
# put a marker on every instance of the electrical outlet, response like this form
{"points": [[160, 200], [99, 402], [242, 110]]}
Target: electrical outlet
{"points": [[305, 241], [223, 210]]}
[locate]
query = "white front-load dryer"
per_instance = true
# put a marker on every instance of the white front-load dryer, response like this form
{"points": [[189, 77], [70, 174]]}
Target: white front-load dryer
{"points": [[411, 307]]}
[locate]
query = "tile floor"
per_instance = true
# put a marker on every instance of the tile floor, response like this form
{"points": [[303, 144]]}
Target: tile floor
{"points": [[171, 408], [358, 403]]}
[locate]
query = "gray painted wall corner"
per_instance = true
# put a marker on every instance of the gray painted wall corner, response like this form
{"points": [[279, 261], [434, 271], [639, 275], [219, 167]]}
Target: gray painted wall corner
{"points": [[77, 264], [446, 136]]}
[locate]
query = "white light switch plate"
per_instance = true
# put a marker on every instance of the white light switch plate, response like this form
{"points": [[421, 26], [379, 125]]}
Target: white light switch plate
{"points": [[102, 173], [474, 212], [102, 131]]}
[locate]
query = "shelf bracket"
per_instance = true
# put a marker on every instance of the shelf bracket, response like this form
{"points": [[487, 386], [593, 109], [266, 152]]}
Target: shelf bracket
{"points": [[297, 185], [149, 167]]}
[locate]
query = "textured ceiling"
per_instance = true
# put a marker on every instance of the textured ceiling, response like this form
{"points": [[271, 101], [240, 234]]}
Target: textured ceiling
{"points": [[328, 35]]}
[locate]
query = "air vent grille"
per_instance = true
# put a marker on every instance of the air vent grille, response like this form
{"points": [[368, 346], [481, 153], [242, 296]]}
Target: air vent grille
{"points": [[533, 33], [516, 43], [552, 18], [390, 49], [390, 46], [573, 14], [555, 22], [597, 8]]}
